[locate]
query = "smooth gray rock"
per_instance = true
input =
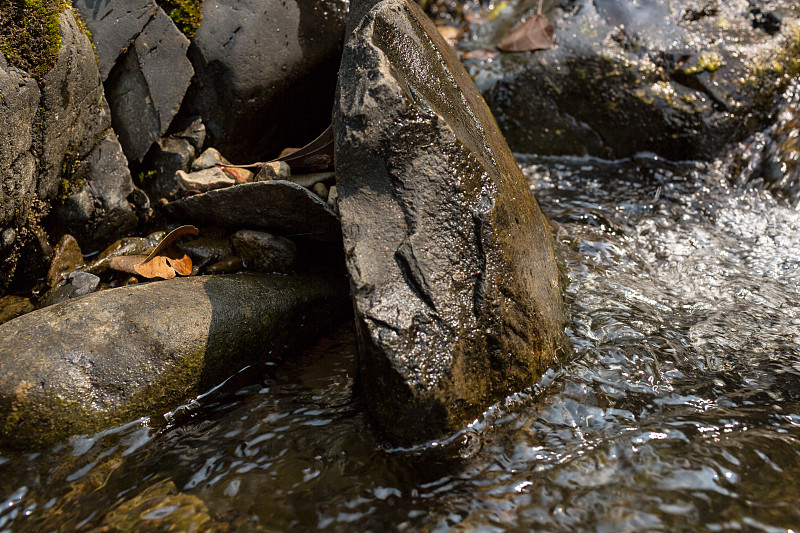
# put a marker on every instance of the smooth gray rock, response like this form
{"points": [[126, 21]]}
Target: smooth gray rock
{"points": [[75, 113], [681, 78], [282, 206], [453, 270], [114, 24], [116, 355], [77, 284], [266, 73], [263, 252], [146, 87], [100, 211]]}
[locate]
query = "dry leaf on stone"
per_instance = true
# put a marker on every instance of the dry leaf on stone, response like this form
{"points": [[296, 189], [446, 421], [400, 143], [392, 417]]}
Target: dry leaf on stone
{"points": [[316, 155], [165, 261], [537, 33]]}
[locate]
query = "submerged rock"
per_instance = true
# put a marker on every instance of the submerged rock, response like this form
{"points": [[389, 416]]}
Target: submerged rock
{"points": [[123, 353], [278, 205], [680, 78], [453, 268]]}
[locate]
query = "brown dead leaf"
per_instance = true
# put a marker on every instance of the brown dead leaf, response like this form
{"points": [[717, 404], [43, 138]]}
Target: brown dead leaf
{"points": [[165, 261], [537, 33], [126, 263]]}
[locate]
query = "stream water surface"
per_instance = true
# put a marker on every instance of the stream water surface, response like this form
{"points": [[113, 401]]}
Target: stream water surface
{"points": [[679, 409]]}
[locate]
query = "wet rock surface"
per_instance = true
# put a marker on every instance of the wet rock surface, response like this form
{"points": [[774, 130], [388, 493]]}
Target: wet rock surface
{"points": [[676, 77], [452, 265], [266, 72], [113, 356], [278, 205]]}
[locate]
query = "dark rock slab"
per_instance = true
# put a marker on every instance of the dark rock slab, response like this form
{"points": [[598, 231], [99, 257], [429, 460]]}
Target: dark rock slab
{"points": [[146, 87], [283, 206], [453, 266], [119, 354], [266, 73], [114, 24], [100, 211], [680, 78]]}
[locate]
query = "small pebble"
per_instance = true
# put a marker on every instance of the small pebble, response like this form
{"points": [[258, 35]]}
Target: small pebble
{"points": [[204, 180], [276, 170], [320, 190], [76, 284], [333, 199], [209, 159], [264, 252], [309, 180], [241, 175], [208, 248]]}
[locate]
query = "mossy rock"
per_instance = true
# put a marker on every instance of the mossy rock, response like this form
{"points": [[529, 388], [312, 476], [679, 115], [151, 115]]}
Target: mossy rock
{"points": [[30, 33], [186, 14]]}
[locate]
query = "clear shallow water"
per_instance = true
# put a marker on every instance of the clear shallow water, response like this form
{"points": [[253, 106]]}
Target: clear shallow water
{"points": [[679, 409]]}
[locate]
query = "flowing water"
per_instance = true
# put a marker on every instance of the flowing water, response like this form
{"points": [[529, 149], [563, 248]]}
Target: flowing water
{"points": [[679, 409]]}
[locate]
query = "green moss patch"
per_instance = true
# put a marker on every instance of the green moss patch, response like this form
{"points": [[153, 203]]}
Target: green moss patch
{"points": [[30, 33], [186, 14]]}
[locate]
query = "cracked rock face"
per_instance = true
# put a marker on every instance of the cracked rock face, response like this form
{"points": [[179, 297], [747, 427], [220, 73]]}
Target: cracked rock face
{"points": [[453, 268], [680, 78], [147, 85], [114, 24]]}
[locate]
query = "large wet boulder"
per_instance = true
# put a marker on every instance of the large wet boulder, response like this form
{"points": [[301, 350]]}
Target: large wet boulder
{"points": [[116, 355], [453, 269], [266, 73], [677, 77]]}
